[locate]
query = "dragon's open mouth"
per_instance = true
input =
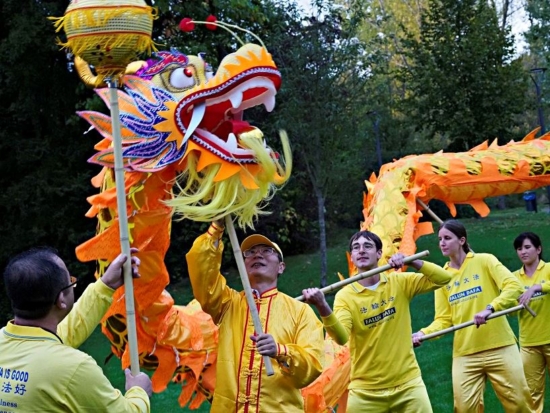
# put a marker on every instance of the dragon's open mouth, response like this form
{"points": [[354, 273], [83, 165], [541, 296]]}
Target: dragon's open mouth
{"points": [[212, 114], [217, 121], [158, 125]]}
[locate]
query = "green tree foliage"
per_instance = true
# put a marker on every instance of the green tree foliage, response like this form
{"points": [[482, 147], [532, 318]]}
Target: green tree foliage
{"points": [[43, 171], [538, 38], [322, 105], [465, 87]]}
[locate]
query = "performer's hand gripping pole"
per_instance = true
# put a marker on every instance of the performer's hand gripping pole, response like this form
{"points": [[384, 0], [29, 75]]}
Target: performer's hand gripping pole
{"points": [[123, 227], [367, 274], [471, 323], [246, 287]]}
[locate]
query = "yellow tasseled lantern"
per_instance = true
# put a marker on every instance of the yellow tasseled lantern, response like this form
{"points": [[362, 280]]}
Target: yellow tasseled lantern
{"points": [[108, 34]]}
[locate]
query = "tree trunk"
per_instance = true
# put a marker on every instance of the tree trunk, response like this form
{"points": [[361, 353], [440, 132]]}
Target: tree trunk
{"points": [[322, 234]]}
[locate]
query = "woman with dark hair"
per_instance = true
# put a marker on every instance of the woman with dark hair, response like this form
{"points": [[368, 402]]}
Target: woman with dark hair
{"points": [[534, 334], [480, 284]]}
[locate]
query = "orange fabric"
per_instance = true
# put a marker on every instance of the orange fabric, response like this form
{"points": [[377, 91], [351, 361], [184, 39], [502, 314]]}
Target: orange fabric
{"points": [[326, 392]]}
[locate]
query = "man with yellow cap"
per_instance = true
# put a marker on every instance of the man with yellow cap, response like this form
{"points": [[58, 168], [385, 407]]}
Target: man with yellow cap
{"points": [[293, 335]]}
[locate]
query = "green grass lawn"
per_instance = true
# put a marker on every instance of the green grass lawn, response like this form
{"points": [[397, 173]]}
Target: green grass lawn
{"points": [[493, 234]]}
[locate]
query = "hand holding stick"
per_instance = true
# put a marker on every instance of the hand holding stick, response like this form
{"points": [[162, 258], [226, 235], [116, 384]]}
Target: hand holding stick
{"points": [[471, 323], [246, 287], [367, 274]]}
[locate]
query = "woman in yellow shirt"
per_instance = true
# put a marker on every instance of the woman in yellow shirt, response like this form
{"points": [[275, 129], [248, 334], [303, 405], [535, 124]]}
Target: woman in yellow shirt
{"points": [[534, 334], [480, 285]]}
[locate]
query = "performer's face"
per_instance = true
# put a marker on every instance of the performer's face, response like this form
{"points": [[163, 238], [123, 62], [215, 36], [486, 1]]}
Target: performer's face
{"points": [[263, 262], [449, 243], [364, 254], [527, 253]]}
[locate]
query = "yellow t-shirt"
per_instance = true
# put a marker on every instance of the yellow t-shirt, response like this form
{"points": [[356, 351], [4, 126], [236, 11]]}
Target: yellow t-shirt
{"points": [[534, 331], [378, 324], [481, 280]]}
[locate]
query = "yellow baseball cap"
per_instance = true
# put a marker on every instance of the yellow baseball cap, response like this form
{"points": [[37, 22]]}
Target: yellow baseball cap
{"points": [[257, 239]]}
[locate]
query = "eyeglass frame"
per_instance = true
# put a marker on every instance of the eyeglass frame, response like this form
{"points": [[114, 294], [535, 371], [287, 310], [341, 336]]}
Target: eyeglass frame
{"points": [[73, 283], [263, 249]]}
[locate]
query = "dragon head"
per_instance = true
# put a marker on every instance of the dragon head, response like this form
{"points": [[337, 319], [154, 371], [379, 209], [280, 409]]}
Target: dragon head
{"points": [[175, 112]]}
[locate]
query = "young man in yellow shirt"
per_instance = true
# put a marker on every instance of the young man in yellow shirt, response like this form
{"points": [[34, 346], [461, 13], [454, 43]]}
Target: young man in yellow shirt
{"points": [[374, 315]]}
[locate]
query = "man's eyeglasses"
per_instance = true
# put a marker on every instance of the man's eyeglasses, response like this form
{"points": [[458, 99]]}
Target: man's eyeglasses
{"points": [[263, 250], [366, 247], [73, 283]]}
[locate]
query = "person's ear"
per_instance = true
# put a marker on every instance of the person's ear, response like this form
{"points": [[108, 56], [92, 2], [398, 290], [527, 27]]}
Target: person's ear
{"points": [[282, 267], [462, 240], [379, 254], [62, 302]]}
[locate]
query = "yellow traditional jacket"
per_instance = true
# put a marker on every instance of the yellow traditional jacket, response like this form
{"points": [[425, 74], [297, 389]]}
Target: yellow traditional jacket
{"points": [[241, 382], [481, 280], [534, 331]]}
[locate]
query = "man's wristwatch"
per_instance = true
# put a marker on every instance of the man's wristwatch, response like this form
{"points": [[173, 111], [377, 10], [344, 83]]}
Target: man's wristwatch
{"points": [[490, 307]]}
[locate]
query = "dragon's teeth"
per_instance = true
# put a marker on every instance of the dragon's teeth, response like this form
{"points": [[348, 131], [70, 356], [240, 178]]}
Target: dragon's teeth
{"points": [[269, 102], [232, 141], [196, 118], [236, 99]]}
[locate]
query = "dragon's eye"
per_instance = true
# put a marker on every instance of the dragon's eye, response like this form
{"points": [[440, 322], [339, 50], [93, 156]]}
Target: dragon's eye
{"points": [[182, 78]]}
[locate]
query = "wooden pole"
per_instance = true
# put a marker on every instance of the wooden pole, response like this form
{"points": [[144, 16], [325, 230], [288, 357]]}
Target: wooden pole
{"points": [[429, 211], [432, 214], [367, 274], [123, 228], [246, 287], [470, 323]]}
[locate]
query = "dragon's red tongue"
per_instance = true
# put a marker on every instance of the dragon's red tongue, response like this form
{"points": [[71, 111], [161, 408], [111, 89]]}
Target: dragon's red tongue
{"points": [[233, 126]]}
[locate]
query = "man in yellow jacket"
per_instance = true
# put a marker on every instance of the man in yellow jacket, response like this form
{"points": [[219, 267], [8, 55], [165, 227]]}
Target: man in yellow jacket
{"points": [[293, 336], [40, 369]]}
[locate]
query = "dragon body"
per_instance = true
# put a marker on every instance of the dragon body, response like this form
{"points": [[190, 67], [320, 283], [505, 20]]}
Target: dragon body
{"points": [[187, 152], [391, 209]]}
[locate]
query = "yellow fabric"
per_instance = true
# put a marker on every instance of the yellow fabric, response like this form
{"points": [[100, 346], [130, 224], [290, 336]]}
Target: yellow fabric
{"points": [[481, 280], [379, 320], [534, 331], [242, 384], [502, 366], [45, 375], [86, 314], [411, 396], [536, 361]]}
